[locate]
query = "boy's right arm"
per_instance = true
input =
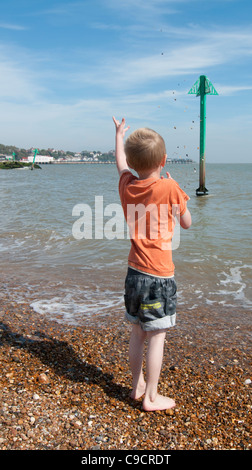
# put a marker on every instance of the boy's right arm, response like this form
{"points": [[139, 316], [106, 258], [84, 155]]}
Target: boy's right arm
{"points": [[186, 220], [121, 161]]}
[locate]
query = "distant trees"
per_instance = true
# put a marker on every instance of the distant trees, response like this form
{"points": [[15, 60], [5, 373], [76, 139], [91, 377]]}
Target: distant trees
{"points": [[10, 149]]}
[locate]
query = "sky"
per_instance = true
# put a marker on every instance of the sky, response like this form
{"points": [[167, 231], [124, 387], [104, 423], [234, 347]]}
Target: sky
{"points": [[66, 67]]}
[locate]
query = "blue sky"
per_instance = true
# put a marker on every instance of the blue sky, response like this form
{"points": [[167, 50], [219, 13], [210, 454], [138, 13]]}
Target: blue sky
{"points": [[67, 67]]}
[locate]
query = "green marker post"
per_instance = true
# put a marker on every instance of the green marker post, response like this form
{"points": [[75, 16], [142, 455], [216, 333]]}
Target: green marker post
{"points": [[35, 153], [201, 88]]}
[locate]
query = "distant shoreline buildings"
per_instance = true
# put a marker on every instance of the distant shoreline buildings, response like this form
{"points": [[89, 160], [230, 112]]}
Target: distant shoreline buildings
{"points": [[40, 159], [53, 156]]}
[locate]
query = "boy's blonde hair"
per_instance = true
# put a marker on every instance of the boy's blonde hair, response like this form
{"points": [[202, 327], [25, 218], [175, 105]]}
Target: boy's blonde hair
{"points": [[144, 149]]}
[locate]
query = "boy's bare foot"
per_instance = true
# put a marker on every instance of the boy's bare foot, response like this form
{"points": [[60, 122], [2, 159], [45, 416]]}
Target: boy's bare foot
{"points": [[160, 403], [138, 392]]}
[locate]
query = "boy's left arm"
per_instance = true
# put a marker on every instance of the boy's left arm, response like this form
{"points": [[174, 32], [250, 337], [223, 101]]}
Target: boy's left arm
{"points": [[121, 161]]}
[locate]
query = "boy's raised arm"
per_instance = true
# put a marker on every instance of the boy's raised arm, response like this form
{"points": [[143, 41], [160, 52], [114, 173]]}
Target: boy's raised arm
{"points": [[121, 161]]}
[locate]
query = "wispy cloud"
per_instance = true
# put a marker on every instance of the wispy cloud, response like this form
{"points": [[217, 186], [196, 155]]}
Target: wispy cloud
{"points": [[14, 27], [228, 90], [109, 72], [125, 63], [18, 81], [148, 8], [135, 69]]}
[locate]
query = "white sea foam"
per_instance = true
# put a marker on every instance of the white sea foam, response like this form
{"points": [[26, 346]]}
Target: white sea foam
{"points": [[71, 309], [235, 284]]}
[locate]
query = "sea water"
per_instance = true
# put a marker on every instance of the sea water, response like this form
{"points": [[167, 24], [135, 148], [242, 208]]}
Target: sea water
{"points": [[44, 264]]}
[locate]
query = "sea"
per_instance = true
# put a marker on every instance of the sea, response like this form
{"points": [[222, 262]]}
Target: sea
{"points": [[64, 250]]}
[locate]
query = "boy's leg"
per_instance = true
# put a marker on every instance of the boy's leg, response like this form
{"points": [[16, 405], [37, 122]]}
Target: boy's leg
{"points": [[152, 400], [136, 347]]}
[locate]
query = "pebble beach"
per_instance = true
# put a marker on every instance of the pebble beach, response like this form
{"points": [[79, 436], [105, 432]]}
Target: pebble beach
{"points": [[67, 388]]}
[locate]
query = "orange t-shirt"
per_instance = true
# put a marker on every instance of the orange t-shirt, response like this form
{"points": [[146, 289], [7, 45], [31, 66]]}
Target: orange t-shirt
{"points": [[149, 207]]}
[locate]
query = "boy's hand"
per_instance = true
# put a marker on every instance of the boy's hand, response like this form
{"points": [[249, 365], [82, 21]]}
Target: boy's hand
{"points": [[168, 176], [120, 127], [121, 160]]}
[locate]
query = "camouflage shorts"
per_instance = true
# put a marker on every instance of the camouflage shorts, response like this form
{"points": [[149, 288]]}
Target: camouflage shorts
{"points": [[150, 301]]}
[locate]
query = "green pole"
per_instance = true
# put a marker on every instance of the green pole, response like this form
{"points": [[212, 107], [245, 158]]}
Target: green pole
{"points": [[35, 153], [202, 172], [201, 88]]}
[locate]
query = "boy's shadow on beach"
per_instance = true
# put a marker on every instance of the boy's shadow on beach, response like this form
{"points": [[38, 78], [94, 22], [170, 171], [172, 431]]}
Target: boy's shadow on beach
{"points": [[60, 356]]}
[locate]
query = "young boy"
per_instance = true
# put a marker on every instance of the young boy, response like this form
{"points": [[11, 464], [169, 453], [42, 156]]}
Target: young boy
{"points": [[150, 288]]}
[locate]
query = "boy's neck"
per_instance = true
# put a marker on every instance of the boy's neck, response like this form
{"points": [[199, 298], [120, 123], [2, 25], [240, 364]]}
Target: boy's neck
{"points": [[149, 174]]}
